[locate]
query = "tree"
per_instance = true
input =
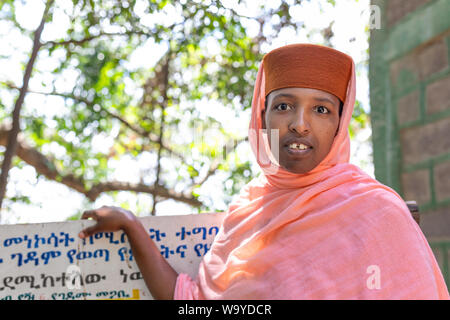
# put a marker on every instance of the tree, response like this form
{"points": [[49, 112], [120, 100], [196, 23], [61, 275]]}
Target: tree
{"points": [[204, 56]]}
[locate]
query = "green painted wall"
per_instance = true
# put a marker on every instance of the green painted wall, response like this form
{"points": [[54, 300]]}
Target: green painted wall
{"points": [[409, 74]]}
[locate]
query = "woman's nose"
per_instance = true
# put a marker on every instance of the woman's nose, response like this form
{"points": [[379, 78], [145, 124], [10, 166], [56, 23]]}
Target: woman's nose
{"points": [[300, 123]]}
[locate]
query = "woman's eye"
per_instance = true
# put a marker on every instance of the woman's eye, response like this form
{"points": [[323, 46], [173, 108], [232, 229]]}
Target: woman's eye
{"points": [[282, 107], [322, 109]]}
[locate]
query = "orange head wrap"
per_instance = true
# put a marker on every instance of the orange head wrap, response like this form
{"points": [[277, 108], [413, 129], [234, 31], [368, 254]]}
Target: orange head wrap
{"points": [[308, 66]]}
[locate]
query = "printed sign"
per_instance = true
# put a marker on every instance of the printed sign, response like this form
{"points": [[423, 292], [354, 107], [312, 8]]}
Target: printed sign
{"points": [[48, 261]]}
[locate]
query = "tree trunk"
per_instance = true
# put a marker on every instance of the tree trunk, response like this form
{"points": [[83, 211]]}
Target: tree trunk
{"points": [[12, 138]]}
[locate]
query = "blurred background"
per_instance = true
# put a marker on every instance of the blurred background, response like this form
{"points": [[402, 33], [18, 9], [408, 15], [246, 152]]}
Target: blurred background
{"points": [[145, 104]]}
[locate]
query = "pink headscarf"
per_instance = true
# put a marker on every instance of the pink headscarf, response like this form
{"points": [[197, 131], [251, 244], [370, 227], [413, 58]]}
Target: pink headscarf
{"points": [[332, 233]]}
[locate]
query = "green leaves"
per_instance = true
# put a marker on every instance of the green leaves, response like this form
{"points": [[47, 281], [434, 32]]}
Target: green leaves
{"points": [[360, 120], [128, 70]]}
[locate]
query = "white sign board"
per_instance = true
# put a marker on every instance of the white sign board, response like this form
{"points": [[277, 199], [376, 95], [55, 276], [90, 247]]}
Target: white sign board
{"points": [[48, 261]]}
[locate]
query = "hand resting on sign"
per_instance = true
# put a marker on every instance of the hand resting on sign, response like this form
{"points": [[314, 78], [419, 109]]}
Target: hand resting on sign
{"points": [[108, 219], [158, 275]]}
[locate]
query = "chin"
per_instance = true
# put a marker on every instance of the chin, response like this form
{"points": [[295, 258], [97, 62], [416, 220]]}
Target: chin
{"points": [[296, 169]]}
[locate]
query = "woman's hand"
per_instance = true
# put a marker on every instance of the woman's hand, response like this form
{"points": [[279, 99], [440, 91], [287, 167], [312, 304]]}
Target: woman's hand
{"points": [[108, 219], [158, 274]]}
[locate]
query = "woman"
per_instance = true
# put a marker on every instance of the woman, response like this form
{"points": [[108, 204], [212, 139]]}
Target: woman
{"points": [[312, 226]]}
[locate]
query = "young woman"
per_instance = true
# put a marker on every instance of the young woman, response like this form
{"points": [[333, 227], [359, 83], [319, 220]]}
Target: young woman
{"points": [[312, 226]]}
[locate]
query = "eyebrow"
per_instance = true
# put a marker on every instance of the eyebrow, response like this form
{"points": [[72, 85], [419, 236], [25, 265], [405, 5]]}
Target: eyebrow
{"points": [[324, 100], [288, 95]]}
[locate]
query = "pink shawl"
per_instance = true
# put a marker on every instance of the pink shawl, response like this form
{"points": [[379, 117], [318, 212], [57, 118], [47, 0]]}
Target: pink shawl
{"points": [[332, 233]]}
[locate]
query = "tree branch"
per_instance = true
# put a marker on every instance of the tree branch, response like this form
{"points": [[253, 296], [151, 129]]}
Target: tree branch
{"points": [[47, 168], [153, 137], [164, 88], [106, 34], [215, 163], [12, 137]]}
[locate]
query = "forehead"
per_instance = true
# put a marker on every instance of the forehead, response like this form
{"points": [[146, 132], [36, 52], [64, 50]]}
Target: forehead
{"points": [[303, 93]]}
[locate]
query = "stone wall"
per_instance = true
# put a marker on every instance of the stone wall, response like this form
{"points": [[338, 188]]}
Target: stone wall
{"points": [[398, 9], [409, 73]]}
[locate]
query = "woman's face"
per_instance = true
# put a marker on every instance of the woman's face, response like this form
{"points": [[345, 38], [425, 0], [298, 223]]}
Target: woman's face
{"points": [[307, 120]]}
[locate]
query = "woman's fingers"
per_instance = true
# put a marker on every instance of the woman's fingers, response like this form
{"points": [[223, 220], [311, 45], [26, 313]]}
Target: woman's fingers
{"points": [[89, 214], [108, 219], [90, 230]]}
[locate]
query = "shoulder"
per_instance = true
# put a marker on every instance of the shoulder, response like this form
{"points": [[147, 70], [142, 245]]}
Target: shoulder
{"points": [[386, 206], [385, 220], [374, 194], [373, 205]]}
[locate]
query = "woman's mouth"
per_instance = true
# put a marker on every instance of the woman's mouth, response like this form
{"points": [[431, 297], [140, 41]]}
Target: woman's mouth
{"points": [[298, 149]]}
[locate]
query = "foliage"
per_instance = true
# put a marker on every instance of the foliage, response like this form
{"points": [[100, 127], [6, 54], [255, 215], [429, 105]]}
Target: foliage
{"points": [[201, 53]]}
